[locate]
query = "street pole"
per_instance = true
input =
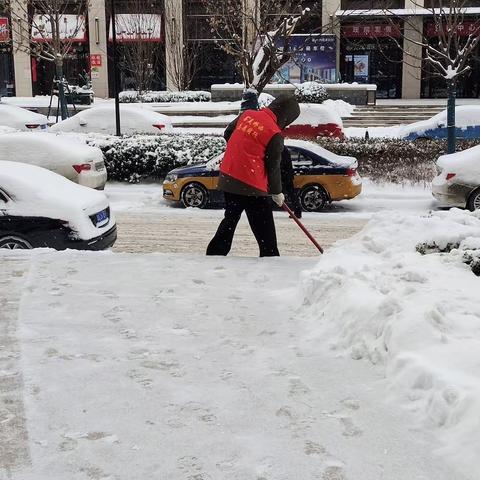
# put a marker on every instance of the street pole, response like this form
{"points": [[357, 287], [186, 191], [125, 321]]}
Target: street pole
{"points": [[115, 70], [451, 133]]}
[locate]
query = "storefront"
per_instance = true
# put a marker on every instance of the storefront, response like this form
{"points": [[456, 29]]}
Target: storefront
{"points": [[7, 78], [140, 51], [468, 85], [369, 53], [75, 53]]}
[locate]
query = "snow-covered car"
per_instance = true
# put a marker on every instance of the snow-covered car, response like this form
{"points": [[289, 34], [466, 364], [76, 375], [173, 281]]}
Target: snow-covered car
{"points": [[315, 121], [21, 118], [74, 160], [320, 177], [39, 208], [467, 121], [458, 181], [101, 119]]}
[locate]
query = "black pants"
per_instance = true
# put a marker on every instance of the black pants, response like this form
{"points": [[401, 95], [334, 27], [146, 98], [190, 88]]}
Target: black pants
{"points": [[260, 218]]}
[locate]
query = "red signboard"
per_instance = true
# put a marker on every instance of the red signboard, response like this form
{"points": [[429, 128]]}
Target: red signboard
{"points": [[463, 29], [95, 61], [371, 30], [4, 30]]}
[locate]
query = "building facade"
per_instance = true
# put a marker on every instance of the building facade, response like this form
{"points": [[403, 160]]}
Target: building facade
{"points": [[371, 47]]}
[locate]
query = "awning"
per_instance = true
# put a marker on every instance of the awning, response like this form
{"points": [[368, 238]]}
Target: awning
{"points": [[135, 27], [72, 28], [403, 12]]}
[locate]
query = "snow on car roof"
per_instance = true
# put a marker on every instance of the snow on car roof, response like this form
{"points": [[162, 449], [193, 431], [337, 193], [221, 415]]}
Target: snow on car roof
{"points": [[29, 183], [37, 146], [321, 152], [465, 116], [12, 113], [102, 119], [465, 164]]}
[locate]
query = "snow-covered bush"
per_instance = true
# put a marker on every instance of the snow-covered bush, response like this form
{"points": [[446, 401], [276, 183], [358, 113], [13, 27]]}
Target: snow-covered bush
{"points": [[164, 96], [310, 92], [151, 156], [393, 160]]}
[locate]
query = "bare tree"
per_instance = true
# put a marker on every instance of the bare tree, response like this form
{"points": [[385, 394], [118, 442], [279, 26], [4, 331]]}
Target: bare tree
{"points": [[448, 44], [257, 34], [46, 29], [139, 30]]}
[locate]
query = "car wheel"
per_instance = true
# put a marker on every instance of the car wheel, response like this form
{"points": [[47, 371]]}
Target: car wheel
{"points": [[14, 243], [474, 201], [313, 198], [194, 195]]}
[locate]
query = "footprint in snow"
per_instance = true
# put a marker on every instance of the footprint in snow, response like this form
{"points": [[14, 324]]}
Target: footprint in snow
{"points": [[349, 428], [334, 473]]}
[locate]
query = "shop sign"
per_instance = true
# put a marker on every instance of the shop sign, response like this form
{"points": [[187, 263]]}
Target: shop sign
{"points": [[4, 30], [95, 60], [72, 28], [134, 27], [370, 30], [314, 57], [463, 29]]}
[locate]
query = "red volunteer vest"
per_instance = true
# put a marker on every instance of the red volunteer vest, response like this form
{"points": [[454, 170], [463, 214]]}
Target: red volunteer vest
{"points": [[244, 157]]}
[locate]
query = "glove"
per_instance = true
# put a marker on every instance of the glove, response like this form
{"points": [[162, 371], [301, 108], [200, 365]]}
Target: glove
{"points": [[278, 198]]}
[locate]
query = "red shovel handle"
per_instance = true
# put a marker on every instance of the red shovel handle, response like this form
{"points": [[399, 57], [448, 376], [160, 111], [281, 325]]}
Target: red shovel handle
{"points": [[302, 226]]}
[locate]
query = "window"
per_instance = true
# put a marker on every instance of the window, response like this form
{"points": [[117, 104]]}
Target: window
{"points": [[299, 160], [372, 4]]}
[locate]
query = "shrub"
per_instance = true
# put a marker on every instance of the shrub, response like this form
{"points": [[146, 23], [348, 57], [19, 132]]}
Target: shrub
{"points": [[394, 160], [131, 159], [164, 96], [310, 92]]}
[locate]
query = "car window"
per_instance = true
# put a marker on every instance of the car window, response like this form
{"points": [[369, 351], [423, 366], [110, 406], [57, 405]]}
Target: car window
{"points": [[299, 159]]}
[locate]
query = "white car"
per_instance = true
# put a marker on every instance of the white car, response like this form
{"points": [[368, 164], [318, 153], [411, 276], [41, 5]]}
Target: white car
{"points": [[101, 119], [39, 208], [74, 160], [21, 118], [458, 181]]}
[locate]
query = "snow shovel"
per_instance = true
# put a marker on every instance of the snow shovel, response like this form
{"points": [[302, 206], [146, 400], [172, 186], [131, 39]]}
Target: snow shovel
{"points": [[300, 224]]}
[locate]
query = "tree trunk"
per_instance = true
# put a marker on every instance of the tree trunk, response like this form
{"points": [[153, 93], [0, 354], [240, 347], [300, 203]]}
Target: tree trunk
{"points": [[451, 130], [62, 101]]}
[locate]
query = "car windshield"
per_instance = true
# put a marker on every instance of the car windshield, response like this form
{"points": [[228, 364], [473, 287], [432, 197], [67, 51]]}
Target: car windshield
{"points": [[214, 163]]}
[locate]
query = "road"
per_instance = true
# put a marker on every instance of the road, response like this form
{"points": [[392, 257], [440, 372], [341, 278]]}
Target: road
{"points": [[191, 231]]}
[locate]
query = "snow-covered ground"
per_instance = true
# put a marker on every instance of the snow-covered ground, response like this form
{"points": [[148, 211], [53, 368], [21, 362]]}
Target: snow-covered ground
{"points": [[148, 197], [359, 365]]}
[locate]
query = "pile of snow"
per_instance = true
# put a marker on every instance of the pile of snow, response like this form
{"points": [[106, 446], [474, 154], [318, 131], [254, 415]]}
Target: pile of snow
{"points": [[18, 118], [311, 114], [164, 96], [374, 297], [4, 129], [310, 92], [133, 119], [37, 192], [344, 109], [465, 165]]}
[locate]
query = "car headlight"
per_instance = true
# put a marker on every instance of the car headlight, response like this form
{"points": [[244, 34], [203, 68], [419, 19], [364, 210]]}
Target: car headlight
{"points": [[171, 177]]}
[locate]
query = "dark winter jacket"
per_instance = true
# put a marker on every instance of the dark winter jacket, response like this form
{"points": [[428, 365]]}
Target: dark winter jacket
{"points": [[287, 174], [286, 110]]}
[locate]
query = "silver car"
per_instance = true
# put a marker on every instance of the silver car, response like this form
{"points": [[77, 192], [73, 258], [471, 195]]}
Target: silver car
{"points": [[458, 181]]}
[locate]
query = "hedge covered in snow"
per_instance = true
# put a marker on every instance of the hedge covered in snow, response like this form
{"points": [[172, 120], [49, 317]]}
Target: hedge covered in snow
{"points": [[132, 158], [394, 160], [164, 96], [310, 92], [382, 160]]}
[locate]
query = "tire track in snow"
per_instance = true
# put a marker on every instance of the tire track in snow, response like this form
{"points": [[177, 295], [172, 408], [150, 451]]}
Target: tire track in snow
{"points": [[14, 448]]}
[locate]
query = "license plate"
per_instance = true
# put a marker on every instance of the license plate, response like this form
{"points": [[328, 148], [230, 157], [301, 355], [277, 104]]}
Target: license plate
{"points": [[43, 127], [101, 218], [99, 166]]}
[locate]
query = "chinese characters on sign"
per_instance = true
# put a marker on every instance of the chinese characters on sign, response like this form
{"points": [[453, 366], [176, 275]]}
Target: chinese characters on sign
{"points": [[370, 30], [463, 29], [95, 64], [314, 57]]}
